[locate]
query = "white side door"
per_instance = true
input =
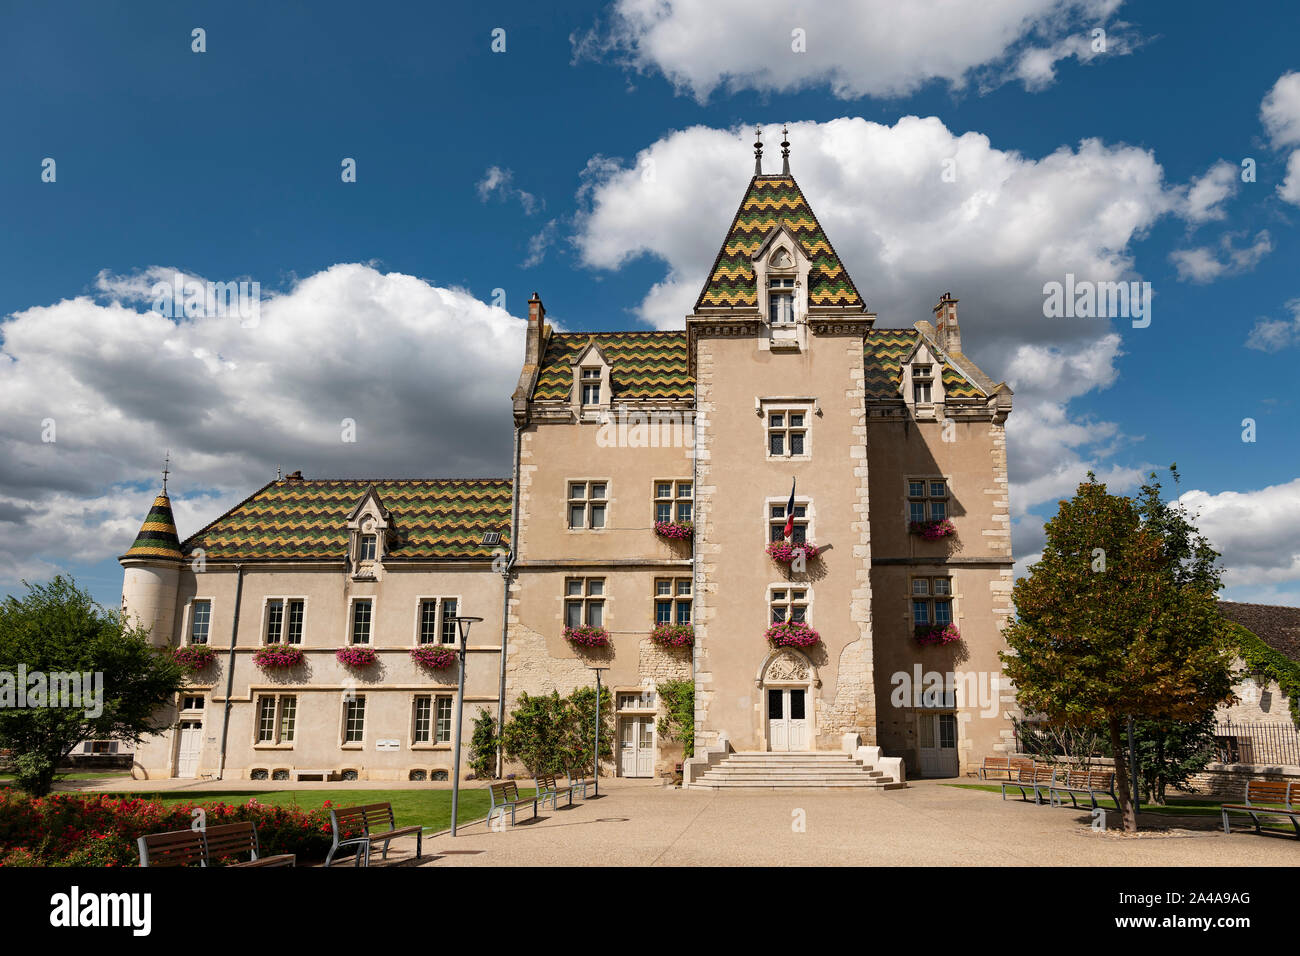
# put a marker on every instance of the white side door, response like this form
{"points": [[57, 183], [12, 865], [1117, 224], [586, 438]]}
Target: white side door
{"points": [[778, 724], [187, 757], [939, 745], [627, 747], [645, 747]]}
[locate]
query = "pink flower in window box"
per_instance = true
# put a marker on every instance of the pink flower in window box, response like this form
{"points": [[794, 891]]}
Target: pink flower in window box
{"points": [[356, 656], [785, 552], [434, 657], [673, 635], [932, 530], [930, 635], [676, 530], [277, 656], [587, 636], [792, 634], [194, 657]]}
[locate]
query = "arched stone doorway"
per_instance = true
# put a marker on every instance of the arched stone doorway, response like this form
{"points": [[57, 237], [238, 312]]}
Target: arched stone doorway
{"points": [[787, 712]]}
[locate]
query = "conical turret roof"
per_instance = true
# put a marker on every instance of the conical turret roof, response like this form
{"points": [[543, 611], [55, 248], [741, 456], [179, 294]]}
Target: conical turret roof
{"points": [[157, 537]]}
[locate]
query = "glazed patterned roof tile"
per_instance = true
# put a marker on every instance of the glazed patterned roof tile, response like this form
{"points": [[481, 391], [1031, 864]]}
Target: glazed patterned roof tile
{"points": [[771, 201], [307, 519], [643, 365], [157, 537], [884, 352]]}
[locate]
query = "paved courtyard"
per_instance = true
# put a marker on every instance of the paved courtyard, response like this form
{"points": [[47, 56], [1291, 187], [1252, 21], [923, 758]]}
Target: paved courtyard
{"points": [[927, 824]]}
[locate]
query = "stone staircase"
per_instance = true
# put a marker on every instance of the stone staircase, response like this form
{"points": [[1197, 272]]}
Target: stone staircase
{"points": [[779, 770]]}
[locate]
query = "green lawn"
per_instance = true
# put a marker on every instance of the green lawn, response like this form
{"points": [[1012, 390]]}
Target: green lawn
{"points": [[429, 808], [1177, 806], [78, 775]]}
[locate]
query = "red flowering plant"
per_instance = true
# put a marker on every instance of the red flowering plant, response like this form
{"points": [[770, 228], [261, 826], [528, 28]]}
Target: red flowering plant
{"points": [[673, 635], [792, 634], [194, 657], [932, 530], [677, 530], [433, 656], [587, 636], [928, 635], [358, 655], [277, 656], [785, 552]]}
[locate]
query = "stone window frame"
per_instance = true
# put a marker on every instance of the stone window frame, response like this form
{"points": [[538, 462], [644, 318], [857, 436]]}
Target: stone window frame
{"points": [[789, 602], [931, 597], [277, 741], [435, 699], [808, 520], [344, 721], [187, 620], [284, 600], [794, 333], [588, 359], [674, 598], [923, 356], [586, 599], [586, 501], [646, 701], [440, 600], [184, 706], [926, 500], [350, 623], [675, 499]]}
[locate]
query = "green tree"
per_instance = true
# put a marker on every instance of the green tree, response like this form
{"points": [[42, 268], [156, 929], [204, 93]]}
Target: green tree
{"points": [[679, 723], [579, 722], [534, 733], [58, 629], [483, 746], [1105, 630]]}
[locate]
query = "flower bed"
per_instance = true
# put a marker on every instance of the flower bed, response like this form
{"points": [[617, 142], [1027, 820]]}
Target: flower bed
{"points": [[194, 657], [434, 657], [587, 636], [358, 655], [65, 829], [277, 656], [792, 634], [932, 530], [673, 635], [785, 552], [928, 635], [677, 530]]}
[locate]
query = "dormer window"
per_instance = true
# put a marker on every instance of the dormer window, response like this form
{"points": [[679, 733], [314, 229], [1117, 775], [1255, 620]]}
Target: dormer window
{"points": [[590, 386], [922, 381], [780, 298], [369, 545]]}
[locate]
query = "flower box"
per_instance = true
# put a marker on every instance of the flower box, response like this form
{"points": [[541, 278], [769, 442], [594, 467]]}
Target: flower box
{"points": [[929, 635], [194, 657], [785, 552], [673, 635], [277, 656], [358, 655], [792, 634], [434, 657], [676, 530], [587, 636], [932, 530]]}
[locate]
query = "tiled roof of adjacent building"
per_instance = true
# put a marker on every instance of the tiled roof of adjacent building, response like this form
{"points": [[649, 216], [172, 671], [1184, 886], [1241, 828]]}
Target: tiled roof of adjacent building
{"points": [[884, 352], [769, 202], [644, 365], [157, 537], [1276, 625], [306, 519]]}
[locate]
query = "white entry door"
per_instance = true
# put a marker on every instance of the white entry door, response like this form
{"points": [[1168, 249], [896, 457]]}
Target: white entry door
{"points": [[787, 718], [187, 757], [939, 745], [637, 747]]}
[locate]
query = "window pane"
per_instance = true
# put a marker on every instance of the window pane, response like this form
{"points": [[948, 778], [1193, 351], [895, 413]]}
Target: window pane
{"points": [[428, 622], [800, 511], [449, 633], [778, 613], [596, 586], [368, 547], [598, 517], [663, 612], [683, 511], [202, 613], [920, 586], [266, 720], [942, 586], [663, 587], [444, 720], [800, 534], [683, 613], [916, 489], [578, 491], [664, 511], [573, 586], [573, 614], [776, 443], [684, 586], [778, 511], [361, 622], [598, 491], [796, 419], [798, 613], [683, 489], [938, 510], [796, 705], [295, 622], [942, 612], [274, 621], [916, 510], [776, 421], [423, 719], [796, 443], [663, 489], [920, 612], [576, 513], [798, 595], [778, 532], [778, 595], [775, 702], [938, 489], [288, 717], [596, 613]]}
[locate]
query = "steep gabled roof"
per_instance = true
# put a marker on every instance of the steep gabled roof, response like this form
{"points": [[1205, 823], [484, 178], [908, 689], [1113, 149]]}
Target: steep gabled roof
{"points": [[643, 365], [769, 202], [306, 519], [884, 352], [1276, 625], [157, 537]]}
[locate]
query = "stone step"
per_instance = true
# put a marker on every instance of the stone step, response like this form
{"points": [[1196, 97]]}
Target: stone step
{"points": [[793, 775], [874, 785]]}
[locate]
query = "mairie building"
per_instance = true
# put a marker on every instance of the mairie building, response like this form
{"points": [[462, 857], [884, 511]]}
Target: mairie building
{"points": [[651, 485]]}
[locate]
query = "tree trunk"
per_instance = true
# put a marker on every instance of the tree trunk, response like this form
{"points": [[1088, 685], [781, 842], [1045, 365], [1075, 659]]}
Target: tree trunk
{"points": [[1158, 779], [1123, 786]]}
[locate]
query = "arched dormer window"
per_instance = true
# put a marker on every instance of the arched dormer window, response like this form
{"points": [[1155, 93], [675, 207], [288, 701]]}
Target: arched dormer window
{"points": [[369, 535], [781, 271]]}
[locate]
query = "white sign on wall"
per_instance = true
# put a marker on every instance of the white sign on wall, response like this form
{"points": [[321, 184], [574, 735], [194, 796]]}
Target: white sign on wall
{"points": [[388, 743]]}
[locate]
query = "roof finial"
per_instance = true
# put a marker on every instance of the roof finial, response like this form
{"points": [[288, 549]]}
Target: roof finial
{"points": [[166, 461], [758, 150], [785, 152]]}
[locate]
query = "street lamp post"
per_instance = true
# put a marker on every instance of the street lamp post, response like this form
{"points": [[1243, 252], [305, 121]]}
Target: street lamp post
{"points": [[463, 625], [595, 760]]}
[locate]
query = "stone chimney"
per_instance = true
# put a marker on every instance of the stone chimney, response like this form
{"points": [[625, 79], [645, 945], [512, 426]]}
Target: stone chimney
{"points": [[533, 341], [947, 334]]}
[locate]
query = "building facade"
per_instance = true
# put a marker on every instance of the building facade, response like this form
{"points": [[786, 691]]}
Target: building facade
{"points": [[655, 476]]}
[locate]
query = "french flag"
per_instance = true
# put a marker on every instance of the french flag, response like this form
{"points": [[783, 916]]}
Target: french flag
{"points": [[789, 513]]}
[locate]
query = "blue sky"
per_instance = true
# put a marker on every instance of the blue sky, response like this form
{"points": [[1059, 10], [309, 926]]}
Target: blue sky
{"points": [[521, 170]]}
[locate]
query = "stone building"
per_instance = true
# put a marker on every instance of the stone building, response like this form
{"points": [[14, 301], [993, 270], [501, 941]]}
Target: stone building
{"points": [[651, 473]]}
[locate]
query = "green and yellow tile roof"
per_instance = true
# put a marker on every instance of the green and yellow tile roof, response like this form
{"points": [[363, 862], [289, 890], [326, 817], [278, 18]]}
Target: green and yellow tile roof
{"points": [[884, 352], [303, 520], [769, 202], [157, 537], [643, 365]]}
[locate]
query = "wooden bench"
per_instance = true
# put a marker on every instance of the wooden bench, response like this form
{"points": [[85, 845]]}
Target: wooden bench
{"points": [[1259, 792], [579, 783], [323, 774], [506, 794], [548, 789], [1033, 777], [364, 826], [200, 847], [1003, 768], [1091, 782]]}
